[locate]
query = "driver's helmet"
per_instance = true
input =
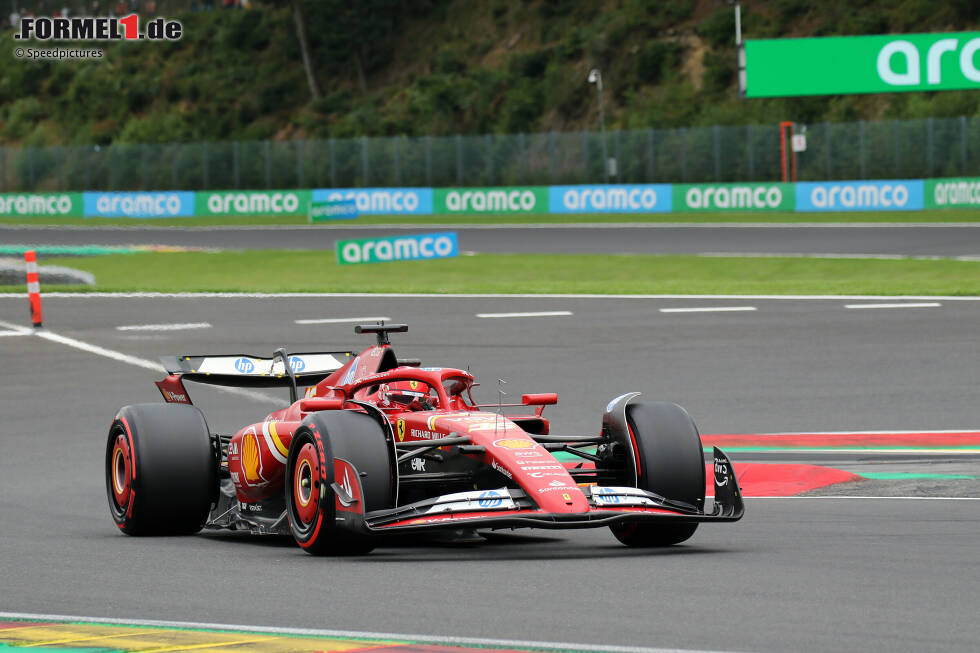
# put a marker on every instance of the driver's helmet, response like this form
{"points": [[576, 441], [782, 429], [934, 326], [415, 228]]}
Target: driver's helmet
{"points": [[405, 393]]}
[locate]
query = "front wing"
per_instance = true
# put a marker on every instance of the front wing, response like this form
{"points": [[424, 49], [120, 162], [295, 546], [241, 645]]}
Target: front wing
{"points": [[512, 508]]}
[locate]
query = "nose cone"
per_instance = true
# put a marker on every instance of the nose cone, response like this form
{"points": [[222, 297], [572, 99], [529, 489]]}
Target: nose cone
{"points": [[544, 478]]}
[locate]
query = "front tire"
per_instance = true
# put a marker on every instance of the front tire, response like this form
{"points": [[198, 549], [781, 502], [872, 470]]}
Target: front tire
{"points": [[311, 501], [670, 463], [161, 469]]}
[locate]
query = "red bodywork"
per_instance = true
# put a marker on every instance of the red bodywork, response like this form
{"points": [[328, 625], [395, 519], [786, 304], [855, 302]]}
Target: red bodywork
{"points": [[257, 453], [527, 485]]}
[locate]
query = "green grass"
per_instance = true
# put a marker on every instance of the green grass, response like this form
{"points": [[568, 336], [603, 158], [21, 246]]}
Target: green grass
{"points": [[317, 271], [789, 217]]}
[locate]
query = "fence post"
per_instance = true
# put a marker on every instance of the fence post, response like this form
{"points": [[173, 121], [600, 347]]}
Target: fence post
{"points": [[459, 159], [586, 178], [428, 160], [929, 145], [398, 163], [268, 164], [619, 159], [88, 174], [30, 167], [963, 145], [553, 147], [864, 173], [651, 165], [59, 162], [333, 164], [523, 162], [751, 152], [826, 129], [234, 165], [364, 161], [683, 153], [144, 163], [895, 163], [299, 164], [204, 165], [489, 141], [717, 138]]}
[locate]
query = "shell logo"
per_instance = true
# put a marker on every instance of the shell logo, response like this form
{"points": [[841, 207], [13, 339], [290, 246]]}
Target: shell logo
{"points": [[515, 444], [401, 430], [250, 457]]}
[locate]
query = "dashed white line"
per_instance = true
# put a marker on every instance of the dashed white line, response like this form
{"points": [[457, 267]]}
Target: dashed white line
{"points": [[531, 314], [343, 320], [708, 309], [164, 327], [901, 305], [393, 295]]}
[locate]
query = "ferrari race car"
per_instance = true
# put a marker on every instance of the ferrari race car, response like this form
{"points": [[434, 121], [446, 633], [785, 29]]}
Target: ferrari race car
{"points": [[379, 446]]}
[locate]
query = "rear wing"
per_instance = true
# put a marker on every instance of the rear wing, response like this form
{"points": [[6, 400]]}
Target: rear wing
{"points": [[247, 371]]}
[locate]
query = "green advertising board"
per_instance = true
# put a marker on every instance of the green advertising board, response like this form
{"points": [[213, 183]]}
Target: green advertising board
{"points": [[253, 202], [407, 247], [953, 193], [41, 204], [892, 63], [734, 197], [330, 210], [502, 199]]}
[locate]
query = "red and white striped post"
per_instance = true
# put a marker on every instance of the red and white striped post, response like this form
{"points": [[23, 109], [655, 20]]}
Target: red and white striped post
{"points": [[33, 288]]}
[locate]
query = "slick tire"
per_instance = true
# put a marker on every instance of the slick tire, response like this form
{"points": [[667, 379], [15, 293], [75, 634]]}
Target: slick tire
{"points": [[161, 469], [671, 464], [311, 501]]}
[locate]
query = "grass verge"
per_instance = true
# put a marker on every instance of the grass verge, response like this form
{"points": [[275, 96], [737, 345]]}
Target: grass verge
{"points": [[779, 217], [301, 271]]}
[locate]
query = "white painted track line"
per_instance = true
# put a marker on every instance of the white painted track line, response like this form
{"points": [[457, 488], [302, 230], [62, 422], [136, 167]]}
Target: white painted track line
{"points": [[709, 309], [164, 327], [14, 329], [531, 314], [901, 305], [383, 295], [343, 320], [131, 360], [101, 351], [349, 634]]}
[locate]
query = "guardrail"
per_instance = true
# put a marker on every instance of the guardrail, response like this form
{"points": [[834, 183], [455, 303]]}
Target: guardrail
{"points": [[863, 195]]}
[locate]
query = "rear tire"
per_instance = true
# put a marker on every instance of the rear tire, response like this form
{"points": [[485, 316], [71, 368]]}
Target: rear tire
{"points": [[310, 499], [671, 464], [161, 469]]}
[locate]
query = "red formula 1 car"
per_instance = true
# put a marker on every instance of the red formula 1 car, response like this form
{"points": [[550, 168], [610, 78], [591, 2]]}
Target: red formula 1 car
{"points": [[381, 446]]}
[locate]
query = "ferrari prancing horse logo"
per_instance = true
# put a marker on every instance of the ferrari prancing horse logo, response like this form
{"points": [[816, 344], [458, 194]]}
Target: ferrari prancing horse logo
{"points": [[401, 430]]}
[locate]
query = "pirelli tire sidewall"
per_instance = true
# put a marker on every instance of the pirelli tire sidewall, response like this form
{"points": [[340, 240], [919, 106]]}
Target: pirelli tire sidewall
{"points": [[161, 469], [311, 502], [311, 517]]}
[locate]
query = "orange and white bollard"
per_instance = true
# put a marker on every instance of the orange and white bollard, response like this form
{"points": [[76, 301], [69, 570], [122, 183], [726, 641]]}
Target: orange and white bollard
{"points": [[33, 287]]}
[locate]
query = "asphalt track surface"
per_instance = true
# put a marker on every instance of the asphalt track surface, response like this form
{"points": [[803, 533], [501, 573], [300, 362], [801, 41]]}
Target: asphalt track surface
{"points": [[815, 574], [881, 240]]}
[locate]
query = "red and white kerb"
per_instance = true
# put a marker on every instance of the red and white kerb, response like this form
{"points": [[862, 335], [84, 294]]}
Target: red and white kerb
{"points": [[33, 287]]}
